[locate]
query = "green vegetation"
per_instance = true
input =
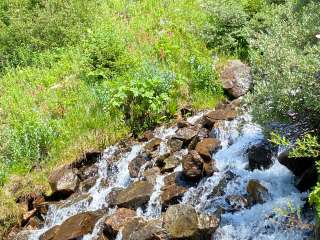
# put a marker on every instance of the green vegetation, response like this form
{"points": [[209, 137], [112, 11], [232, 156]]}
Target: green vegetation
{"points": [[79, 75], [285, 61], [281, 42]]}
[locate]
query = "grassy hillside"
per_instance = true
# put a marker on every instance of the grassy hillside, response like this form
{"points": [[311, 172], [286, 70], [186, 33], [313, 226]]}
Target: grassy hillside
{"points": [[79, 75]]}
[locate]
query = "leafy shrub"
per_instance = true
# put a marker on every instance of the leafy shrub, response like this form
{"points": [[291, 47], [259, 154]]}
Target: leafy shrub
{"points": [[225, 30], [143, 97], [204, 78], [32, 26], [253, 6], [106, 54], [285, 62]]}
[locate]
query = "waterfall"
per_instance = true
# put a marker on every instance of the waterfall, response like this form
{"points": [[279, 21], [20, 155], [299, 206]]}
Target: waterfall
{"points": [[261, 221]]}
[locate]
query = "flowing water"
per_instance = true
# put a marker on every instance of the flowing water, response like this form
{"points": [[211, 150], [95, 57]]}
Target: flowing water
{"points": [[262, 221]]}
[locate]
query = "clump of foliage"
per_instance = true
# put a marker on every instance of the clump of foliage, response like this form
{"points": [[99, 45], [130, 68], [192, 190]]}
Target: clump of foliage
{"points": [[285, 62], [144, 97], [226, 28], [32, 26], [284, 56]]}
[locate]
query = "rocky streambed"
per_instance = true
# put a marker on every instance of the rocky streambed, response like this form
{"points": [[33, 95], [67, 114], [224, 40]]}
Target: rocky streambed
{"points": [[212, 175]]}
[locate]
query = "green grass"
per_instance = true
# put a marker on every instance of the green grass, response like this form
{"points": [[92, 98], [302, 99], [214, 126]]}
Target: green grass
{"points": [[76, 77]]}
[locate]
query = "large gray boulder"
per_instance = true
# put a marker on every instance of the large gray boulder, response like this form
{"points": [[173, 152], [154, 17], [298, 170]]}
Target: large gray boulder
{"points": [[64, 180], [183, 222], [236, 78]]}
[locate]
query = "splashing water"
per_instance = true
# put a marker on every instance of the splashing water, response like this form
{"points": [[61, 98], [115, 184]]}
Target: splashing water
{"points": [[256, 223]]}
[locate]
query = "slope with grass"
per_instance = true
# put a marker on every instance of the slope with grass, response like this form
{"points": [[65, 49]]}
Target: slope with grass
{"points": [[79, 76]]}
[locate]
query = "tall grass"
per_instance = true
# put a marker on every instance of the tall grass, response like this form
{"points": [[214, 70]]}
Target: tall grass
{"points": [[76, 76]]}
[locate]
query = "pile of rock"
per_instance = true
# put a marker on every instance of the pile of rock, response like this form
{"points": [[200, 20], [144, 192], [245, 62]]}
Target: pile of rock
{"points": [[191, 147]]}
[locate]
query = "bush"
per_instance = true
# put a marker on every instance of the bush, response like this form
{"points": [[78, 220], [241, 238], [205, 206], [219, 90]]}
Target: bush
{"points": [[106, 54], [143, 97], [285, 62], [225, 30], [32, 26], [203, 76]]}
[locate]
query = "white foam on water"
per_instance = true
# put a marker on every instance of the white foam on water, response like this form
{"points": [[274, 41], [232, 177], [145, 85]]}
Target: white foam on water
{"points": [[154, 205], [97, 194], [248, 224], [236, 137]]}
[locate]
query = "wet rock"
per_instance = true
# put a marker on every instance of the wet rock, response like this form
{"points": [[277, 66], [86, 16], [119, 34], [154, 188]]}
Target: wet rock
{"points": [[186, 134], [297, 165], [151, 230], [193, 143], [237, 202], [88, 159], [218, 190], [111, 198], [222, 114], [181, 221], [64, 180], [76, 198], [26, 216], [207, 225], [172, 190], [308, 179], [134, 196], [88, 172], [257, 193], [34, 223], [170, 164], [85, 185], [218, 115], [147, 136], [102, 237], [182, 123], [192, 164], [203, 133], [159, 160], [136, 164], [23, 235], [214, 133], [132, 226], [116, 221], [32, 201], [73, 228], [175, 144], [207, 147], [209, 168], [151, 174], [50, 234], [236, 78], [153, 144], [260, 156], [140, 229]]}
